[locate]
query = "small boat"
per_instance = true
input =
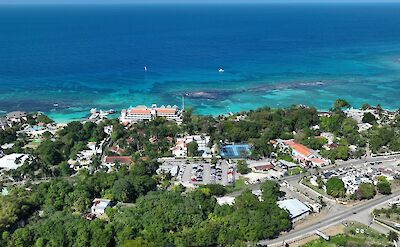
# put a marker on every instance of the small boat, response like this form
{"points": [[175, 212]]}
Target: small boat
{"points": [[221, 70], [55, 104], [145, 68]]}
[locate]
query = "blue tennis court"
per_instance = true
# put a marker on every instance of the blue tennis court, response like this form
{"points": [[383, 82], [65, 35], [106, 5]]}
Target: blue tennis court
{"points": [[235, 151]]}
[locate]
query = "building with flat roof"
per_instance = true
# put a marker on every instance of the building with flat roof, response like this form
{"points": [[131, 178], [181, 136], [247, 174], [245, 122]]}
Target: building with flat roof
{"points": [[181, 147], [296, 209], [226, 200], [99, 206], [143, 113], [12, 161]]}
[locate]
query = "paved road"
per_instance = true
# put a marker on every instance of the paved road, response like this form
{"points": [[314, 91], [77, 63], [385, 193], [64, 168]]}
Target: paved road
{"points": [[339, 165], [329, 221]]}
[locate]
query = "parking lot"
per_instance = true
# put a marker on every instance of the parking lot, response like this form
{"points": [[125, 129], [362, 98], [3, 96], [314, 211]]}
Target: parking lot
{"points": [[206, 173]]}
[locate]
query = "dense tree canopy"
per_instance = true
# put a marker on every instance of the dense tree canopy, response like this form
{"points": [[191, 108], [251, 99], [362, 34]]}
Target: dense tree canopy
{"points": [[365, 191], [383, 186], [335, 187]]}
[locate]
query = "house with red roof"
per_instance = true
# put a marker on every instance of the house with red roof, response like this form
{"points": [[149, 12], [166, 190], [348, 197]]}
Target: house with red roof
{"points": [[263, 168], [301, 153], [110, 161]]}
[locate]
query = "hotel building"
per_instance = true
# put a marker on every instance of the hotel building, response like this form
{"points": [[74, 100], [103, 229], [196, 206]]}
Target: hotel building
{"points": [[141, 113]]}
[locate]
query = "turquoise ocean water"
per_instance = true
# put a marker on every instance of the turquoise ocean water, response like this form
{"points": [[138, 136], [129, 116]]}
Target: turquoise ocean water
{"points": [[276, 55]]}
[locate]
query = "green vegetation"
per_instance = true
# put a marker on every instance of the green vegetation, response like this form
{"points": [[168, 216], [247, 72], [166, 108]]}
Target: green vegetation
{"points": [[365, 191], [351, 237], [388, 216], [384, 138], [8, 136], [192, 149], [369, 118], [159, 213], [335, 187], [316, 188], [295, 171], [393, 236], [341, 103], [383, 186], [242, 167], [159, 218]]}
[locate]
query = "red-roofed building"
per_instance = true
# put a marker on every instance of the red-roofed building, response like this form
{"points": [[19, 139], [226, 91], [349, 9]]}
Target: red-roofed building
{"points": [[263, 168], [141, 112], [301, 153], [110, 161], [299, 149]]}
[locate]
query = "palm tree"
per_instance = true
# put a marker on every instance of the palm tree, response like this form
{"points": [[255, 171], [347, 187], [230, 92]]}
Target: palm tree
{"points": [[393, 236]]}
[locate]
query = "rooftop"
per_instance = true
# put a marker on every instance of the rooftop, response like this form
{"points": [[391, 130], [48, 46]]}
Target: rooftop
{"points": [[100, 203], [121, 159], [298, 148], [12, 161], [16, 114], [294, 207]]}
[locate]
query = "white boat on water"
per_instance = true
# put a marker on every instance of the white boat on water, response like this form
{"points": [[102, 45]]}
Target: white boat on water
{"points": [[145, 68], [221, 70]]}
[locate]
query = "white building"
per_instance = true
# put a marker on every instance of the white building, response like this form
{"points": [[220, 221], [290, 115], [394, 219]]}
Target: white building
{"points": [[16, 116], [301, 153], [142, 113], [84, 158], [4, 123], [99, 206], [180, 149], [358, 114], [12, 161], [296, 209], [226, 200]]}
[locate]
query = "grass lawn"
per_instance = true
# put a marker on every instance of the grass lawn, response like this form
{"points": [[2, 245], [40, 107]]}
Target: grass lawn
{"points": [[356, 235], [295, 171], [389, 218], [239, 184], [307, 183]]}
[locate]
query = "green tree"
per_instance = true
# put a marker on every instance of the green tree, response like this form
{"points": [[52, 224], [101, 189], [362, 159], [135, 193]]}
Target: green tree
{"points": [[369, 118], [320, 182], [123, 191], [44, 119], [242, 167], [365, 191], [393, 236], [383, 186], [137, 242], [216, 189], [270, 190], [192, 148], [335, 187], [341, 103]]}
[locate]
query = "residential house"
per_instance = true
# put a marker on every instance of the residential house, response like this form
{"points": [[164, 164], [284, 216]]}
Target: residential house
{"points": [[99, 206], [110, 161], [180, 149], [301, 153]]}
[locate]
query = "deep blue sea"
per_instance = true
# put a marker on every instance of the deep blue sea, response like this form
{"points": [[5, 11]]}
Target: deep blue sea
{"points": [[273, 55]]}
